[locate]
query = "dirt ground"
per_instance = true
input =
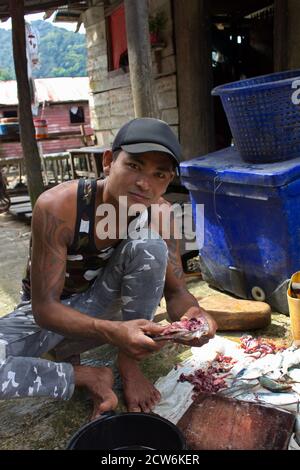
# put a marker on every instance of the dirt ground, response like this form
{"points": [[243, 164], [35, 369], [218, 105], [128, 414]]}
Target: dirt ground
{"points": [[49, 424]]}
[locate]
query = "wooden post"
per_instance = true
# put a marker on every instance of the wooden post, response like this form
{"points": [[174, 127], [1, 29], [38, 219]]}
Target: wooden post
{"points": [[280, 35], [139, 57], [29, 145], [293, 34], [194, 76]]}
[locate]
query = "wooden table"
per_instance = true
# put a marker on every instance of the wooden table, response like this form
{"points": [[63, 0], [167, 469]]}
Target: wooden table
{"points": [[92, 157]]}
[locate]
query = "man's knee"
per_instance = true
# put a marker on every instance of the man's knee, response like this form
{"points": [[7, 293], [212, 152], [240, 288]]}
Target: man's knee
{"points": [[149, 249]]}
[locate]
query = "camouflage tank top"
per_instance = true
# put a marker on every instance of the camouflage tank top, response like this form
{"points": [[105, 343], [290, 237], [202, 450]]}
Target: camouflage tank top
{"points": [[84, 260]]}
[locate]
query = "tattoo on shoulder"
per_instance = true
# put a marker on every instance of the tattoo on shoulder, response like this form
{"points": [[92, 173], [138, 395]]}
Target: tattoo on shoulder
{"points": [[172, 242], [49, 257], [53, 231]]}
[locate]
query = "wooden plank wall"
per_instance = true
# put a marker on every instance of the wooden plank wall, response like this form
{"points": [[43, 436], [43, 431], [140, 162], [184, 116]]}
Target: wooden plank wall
{"points": [[111, 103], [58, 119]]}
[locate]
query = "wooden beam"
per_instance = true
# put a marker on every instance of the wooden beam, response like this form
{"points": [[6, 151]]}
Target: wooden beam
{"points": [[38, 6], [194, 76], [27, 131], [139, 56], [280, 36], [238, 8], [293, 40]]}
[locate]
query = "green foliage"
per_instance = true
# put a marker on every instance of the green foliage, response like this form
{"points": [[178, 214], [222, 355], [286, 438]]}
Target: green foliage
{"points": [[7, 71], [62, 53], [5, 74]]}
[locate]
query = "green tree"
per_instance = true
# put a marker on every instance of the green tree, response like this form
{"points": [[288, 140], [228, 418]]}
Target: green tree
{"points": [[5, 74]]}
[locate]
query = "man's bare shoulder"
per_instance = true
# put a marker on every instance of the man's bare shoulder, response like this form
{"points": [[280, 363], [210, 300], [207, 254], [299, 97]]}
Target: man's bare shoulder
{"points": [[60, 199], [54, 213]]}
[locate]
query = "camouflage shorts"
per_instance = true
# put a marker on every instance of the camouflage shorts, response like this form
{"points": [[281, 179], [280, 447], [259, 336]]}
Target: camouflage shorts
{"points": [[130, 286]]}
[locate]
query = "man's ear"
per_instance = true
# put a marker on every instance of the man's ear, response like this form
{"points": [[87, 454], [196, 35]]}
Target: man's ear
{"points": [[173, 174], [107, 160]]}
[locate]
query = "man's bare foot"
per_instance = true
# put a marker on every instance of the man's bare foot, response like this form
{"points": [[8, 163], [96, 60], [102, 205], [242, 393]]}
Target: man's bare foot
{"points": [[99, 382], [139, 393]]}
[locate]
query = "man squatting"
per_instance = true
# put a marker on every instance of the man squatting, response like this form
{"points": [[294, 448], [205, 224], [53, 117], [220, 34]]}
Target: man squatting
{"points": [[81, 284]]}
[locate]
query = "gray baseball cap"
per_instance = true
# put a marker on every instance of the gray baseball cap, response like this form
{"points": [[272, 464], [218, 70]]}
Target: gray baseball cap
{"points": [[147, 135]]}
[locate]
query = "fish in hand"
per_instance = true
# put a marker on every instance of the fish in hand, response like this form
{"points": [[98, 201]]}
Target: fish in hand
{"points": [[184, 330]]}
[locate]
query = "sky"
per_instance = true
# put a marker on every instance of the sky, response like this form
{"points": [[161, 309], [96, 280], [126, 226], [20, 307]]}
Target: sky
{"points": [[39, 16]]}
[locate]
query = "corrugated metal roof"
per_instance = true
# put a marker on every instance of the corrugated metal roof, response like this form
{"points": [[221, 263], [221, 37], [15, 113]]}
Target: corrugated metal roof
{"points": [[51, 90]]}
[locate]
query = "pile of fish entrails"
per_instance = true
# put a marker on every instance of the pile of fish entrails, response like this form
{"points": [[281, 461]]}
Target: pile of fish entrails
{"points": [[211, 379], [265, 370], [258, 347]]}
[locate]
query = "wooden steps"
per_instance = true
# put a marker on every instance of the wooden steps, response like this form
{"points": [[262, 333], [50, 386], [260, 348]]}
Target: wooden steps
{"points": [[19, 199], [21, 206]]}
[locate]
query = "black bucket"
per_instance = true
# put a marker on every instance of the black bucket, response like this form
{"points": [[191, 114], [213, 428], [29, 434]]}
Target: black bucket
{"points": [[128, 431]]}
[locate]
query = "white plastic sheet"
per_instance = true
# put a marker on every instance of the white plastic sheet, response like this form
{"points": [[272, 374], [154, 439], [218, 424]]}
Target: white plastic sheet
{"points": [[177, 396]]}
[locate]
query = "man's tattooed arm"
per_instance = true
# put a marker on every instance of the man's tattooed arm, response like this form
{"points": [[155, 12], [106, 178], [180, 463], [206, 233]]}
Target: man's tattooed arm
{"points": [[52, 233], [51, 236], [177, 296], [174, 259]]}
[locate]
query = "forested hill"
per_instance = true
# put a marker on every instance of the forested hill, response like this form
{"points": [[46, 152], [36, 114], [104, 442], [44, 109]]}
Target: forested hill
{"points": [[62, 53]]}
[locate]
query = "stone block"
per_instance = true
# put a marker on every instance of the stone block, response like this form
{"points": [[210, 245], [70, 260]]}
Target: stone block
{"points": [[236, 314]]}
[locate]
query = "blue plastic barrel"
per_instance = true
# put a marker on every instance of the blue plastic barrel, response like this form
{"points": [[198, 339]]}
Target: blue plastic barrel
{"points": [[251, 223]]}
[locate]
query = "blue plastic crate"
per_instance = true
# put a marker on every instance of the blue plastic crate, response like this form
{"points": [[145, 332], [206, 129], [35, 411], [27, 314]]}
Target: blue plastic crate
{"points": [[264, 121], [251, 223]]}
